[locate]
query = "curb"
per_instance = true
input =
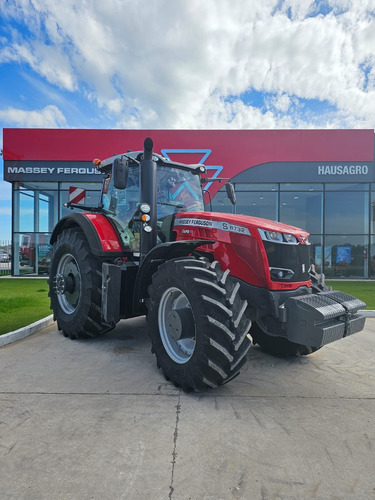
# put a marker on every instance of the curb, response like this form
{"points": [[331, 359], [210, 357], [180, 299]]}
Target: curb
{"points": [[367, 314], [25, 331]]}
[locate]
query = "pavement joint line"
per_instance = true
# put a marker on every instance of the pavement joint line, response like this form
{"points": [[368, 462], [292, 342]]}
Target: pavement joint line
{"points": [[201, 396], [175, 437], [26, 331]]}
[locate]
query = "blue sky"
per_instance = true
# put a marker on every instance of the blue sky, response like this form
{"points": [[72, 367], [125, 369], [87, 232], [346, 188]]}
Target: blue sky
{"points": [[244, 64]]}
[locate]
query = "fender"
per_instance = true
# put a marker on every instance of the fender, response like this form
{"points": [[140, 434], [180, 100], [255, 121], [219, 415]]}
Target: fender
{"points": [[158, 255], [101, 236]]}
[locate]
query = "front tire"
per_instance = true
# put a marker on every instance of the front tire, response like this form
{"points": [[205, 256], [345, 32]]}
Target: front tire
{"points": [[197, 324], [282, 347], [75, 286], [278, 346]]}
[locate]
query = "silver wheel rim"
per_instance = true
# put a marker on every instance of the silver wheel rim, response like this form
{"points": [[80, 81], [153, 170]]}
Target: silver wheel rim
{"points": [[179, 350], [67, 283]]}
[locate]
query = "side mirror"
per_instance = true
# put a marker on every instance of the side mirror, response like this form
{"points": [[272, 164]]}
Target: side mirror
{"points": [[231, 193], [120, 171]]}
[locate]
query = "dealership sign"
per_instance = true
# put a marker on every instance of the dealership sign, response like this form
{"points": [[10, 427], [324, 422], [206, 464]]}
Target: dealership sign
{"points": [[51, 171], [307, 171], [343, 169]]}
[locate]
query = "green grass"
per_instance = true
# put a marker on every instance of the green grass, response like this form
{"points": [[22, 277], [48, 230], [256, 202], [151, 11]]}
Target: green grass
{"points": [[22, 302], [364, 290]]}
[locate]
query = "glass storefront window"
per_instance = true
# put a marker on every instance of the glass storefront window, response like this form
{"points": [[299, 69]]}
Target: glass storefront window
{"points": [[43, 253], [91, 200], [346, 187], [346, 256], [25, 221], [301, 187], [32, 253], [303, 210], [371, 256], [35, 211], [338, 209], [346, 213], [36, 185], [220, 202], [91, 186], [257, 204], [240, 186], [48, 211], [316, 256]]}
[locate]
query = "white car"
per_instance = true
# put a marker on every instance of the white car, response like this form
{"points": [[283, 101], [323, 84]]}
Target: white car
{"points": [[4, 257]]}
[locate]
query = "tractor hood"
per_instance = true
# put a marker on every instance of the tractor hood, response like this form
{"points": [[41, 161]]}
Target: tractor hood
{"points": [[268, 254], [241, 224]]}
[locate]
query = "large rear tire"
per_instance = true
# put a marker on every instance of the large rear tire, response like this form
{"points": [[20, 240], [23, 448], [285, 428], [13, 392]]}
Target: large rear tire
{"points": [[318, 281], [197, 324], [75, 286]]}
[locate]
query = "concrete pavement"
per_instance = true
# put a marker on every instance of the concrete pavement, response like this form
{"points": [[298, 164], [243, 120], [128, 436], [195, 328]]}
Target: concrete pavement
{"points": [[95, 420]]}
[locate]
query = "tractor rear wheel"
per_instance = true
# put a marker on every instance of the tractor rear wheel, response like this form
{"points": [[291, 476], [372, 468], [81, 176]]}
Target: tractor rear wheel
{"points": [[197, 323], [318, 281], [75, 286]]}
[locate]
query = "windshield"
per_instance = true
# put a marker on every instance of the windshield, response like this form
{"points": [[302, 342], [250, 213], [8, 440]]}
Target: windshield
{"points": [[177, 190]]}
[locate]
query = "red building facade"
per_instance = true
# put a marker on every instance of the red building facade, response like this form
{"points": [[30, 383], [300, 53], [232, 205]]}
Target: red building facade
{"points": [[320, 180]]}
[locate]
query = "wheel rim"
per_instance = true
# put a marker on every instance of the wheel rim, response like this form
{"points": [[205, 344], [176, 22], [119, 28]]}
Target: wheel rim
{"points": [[67, 283], [176, 325]]}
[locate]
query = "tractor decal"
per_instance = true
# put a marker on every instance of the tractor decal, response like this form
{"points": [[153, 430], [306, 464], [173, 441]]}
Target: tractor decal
{"points": [[221, 225]]}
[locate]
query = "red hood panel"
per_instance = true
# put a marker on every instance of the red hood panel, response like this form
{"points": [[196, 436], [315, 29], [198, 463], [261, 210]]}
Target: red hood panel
{"points": [[251, 223]]}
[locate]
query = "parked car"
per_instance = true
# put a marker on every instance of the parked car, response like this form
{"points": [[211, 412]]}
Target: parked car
{"points": [[4, 257]]}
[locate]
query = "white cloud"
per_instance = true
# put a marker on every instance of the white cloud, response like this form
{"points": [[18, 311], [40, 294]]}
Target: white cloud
{"points": [[45, 60], [185, 63], [48, 117]]}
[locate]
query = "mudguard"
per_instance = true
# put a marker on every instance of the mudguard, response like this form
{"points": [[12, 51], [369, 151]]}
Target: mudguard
{"points": [[101, 236], [156, 256]]}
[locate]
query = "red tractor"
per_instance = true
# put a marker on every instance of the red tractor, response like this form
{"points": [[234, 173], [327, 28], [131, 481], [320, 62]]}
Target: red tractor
{"points": [[208, 282]]}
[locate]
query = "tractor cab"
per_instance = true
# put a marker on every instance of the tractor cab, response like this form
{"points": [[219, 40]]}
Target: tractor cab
{"points": [[127, 204]]}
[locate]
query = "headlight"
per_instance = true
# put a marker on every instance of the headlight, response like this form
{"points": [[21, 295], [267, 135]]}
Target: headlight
{"points": [[145, 208], [290, 238], [277, 237], [274, 236]]}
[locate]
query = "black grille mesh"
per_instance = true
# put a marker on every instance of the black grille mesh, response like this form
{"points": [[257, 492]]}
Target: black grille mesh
{"points": [[286, 256]]}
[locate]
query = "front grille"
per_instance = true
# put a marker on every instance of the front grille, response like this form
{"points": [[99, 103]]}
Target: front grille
{"points": [[287, 256]]}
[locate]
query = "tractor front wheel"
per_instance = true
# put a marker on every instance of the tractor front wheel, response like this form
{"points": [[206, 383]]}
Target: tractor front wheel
{"points": [[75, 286], [282, 347], [197, 323], [278, 346]]}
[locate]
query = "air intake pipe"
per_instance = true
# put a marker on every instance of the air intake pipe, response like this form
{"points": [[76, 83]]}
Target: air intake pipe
{"points": [[148, 184]]}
